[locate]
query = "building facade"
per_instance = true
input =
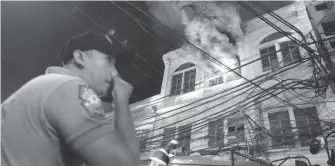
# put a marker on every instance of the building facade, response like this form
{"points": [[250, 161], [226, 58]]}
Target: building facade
{"points": [[322, 17], [267, 113]]}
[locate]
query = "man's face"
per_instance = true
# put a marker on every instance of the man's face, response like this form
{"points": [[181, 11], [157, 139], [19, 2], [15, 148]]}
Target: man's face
{"points": [[98, 70]]}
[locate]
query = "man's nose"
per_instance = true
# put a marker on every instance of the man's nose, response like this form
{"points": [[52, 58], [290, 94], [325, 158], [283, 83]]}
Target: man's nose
{"points": [[113, 71]]}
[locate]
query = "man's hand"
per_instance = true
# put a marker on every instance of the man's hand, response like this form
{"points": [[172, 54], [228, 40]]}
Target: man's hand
{"points": [[122, 89], [124, 124]]}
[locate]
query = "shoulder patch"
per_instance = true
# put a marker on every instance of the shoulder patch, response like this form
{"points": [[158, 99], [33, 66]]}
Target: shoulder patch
{"points": [[91, 102]]}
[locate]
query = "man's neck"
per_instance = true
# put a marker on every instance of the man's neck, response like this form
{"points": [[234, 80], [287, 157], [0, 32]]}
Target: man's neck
{"points": [[76, 72]]}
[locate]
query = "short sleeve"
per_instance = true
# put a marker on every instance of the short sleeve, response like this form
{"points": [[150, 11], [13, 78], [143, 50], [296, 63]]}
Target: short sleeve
{"points": [[77, 114]]}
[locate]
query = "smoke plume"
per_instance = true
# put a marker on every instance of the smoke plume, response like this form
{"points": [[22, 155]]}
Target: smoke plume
{"points": [[212, 26]]}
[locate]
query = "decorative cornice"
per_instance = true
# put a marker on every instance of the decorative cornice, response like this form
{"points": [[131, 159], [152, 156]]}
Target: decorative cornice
{"points": [[285, 12]]}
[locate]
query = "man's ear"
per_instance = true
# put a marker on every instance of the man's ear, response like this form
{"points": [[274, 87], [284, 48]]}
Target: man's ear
{"points": [[78, 58]]}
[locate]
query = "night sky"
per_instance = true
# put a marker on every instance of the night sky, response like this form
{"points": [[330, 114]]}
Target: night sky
{"points": [[33, 34]]}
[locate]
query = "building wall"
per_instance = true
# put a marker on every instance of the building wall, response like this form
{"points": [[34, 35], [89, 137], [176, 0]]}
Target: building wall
{"points": [[319, 16], [206, 104]]}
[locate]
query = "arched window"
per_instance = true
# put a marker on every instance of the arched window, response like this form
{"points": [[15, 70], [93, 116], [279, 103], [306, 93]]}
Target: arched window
{"points": [[276, 51], [183, 79], [274, 36], [184, 66]]}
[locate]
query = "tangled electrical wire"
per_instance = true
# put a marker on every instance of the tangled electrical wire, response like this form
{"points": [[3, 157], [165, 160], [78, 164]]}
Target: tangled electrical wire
{"points": [[319, 82]]}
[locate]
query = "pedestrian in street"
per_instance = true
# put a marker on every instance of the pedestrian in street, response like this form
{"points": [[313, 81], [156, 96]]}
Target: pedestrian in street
{"points": [[57, 119]]}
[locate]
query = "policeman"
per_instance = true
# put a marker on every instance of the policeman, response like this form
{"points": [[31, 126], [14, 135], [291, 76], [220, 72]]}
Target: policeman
{"points": [[57, 119]]}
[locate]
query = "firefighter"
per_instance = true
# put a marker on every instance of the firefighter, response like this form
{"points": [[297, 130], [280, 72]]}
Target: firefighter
{"points": [[163, 155], [57, 119]]}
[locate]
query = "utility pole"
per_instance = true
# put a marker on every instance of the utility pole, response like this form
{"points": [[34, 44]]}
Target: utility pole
{"points": [[322, 49], [232, 157], [323, 52]]}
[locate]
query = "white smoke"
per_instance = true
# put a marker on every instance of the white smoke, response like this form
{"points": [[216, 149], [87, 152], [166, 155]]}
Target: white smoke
{"points": [[212, 26], [168, 13]]}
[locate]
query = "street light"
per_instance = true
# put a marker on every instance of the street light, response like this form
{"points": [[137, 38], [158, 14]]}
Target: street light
{"points": [[320, 142]]}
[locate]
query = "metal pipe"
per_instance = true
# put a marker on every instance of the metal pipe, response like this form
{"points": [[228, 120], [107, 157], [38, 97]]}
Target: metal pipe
{"points": [[232, 157]]}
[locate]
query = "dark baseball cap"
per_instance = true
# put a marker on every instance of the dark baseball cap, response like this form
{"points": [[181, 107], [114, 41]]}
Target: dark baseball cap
{"points": [[101, 42]]}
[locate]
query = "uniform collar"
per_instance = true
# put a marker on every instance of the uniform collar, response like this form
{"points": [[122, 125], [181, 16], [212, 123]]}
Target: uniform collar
{"points": [[60, 70]]}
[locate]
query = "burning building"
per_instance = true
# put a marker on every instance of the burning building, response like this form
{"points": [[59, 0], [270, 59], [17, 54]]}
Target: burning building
{"points": [[234, 84]]}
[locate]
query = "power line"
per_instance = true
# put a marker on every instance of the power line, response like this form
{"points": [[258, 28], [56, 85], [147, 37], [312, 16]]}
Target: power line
{"points": [[137, 8], [144, 73], [225, 112], [126, 13], [74, 18], [292, 128], [247, 80], [200, 99], [261, 76], [308, 49], [139, 23], [201, 104], [292, 133], [273, 14], [263, 89], [106, 31], [269, 23], [284, 34], [264, 79], [60, 6], [204, 123]]}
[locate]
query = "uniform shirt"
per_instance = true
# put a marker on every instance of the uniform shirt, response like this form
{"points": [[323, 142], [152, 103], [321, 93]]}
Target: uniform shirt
{"points": [[49, 118]]}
